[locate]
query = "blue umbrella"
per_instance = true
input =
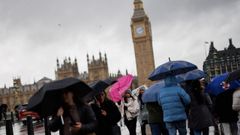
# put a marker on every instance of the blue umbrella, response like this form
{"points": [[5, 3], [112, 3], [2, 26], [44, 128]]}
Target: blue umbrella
{"points": [[171, 68], [215, 86], [150, 95], [191, 75], [235, 75]]}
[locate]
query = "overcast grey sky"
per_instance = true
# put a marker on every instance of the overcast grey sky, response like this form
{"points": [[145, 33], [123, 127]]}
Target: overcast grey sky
{"points": [[33, 33]]}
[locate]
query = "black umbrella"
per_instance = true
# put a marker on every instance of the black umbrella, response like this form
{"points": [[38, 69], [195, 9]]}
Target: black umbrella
{"points": [[48, 99], [110, 81], [98, 87], [235, 75]]}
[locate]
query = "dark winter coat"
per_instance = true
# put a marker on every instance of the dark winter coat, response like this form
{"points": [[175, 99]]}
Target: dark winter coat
{"points": [[143, 115], [223, 107], [106, 123], [155, 116], [87, 119], [155, 113], [199, 114]]}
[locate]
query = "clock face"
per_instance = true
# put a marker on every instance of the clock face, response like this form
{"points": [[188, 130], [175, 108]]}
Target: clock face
{"points": [[139, 30]]}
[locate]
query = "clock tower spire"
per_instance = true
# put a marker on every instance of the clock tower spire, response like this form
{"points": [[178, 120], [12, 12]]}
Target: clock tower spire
{"points": [[142, 40], [138, 4]]}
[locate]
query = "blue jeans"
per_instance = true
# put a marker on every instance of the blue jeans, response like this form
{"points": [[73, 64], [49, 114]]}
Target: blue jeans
{"points": [[197, 132], [158, 129], [155, 129], [177, 125], [204, 131]]}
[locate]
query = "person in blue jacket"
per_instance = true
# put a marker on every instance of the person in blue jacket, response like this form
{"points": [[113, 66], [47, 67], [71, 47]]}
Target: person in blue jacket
{"points": [[173, 100]]}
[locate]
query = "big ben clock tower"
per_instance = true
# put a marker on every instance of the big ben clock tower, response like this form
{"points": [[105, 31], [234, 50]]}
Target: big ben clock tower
{"points": [[142, 40]]}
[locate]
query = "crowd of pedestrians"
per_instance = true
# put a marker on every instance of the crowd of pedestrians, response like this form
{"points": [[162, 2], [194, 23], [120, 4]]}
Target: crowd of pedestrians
{"points": [[178, 107], [181, 101]]}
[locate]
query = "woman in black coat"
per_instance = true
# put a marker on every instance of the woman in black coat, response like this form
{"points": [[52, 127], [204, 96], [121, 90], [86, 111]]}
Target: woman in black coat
{"points": [[226, 115], [200, 117], [74, 117], [107, 114]]}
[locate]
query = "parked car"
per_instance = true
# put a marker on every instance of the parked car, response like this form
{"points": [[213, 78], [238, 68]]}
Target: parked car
{"points": [[23, 113]]}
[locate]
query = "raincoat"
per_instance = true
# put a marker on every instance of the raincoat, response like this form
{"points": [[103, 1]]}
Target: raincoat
{"points": [[173, 100]]}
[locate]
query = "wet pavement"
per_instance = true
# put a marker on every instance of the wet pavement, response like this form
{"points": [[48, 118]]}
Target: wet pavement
{"points": [[20, 129]]}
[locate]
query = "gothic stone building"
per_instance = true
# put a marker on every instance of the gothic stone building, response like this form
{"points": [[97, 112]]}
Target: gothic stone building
{"points": [[18, 93], [67, 69], [222, 61], [97, 69]]}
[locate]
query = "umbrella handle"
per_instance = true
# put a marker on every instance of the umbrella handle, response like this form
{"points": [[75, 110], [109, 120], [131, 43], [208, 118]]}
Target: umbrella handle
{"points": [[62, 121]]}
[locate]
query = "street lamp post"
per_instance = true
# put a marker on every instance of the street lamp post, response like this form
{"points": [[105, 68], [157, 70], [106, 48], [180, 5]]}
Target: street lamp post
{"points": [[205, 48]]}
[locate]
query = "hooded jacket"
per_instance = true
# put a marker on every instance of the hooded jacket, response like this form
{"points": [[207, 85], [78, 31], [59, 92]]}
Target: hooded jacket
{"points": [[173, 100]]}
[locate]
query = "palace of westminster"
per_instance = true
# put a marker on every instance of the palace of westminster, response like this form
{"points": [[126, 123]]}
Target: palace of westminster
{"points": [[217, 62]]}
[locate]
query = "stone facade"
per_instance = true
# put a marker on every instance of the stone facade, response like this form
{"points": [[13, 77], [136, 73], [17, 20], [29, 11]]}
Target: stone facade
{"points": [[18, 93], [222, 61], [142, 40], [67, 69], [97, 68]]}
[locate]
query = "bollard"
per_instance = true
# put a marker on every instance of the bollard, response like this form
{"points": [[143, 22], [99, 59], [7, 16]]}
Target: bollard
{"points": [[30, 125], [12, 117], [9, 128], [47, 131]]}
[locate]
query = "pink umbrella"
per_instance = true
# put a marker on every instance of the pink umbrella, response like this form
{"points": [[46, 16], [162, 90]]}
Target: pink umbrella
{"points": [[118, 88]]}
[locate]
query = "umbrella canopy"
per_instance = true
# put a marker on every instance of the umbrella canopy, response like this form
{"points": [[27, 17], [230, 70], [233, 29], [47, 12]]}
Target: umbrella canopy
{"points": [[98, 87], [171, 68], [110, 81], [123, 83], [48, 99], [235, 75], [151, 94], [215, 87], [191, 75]]}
